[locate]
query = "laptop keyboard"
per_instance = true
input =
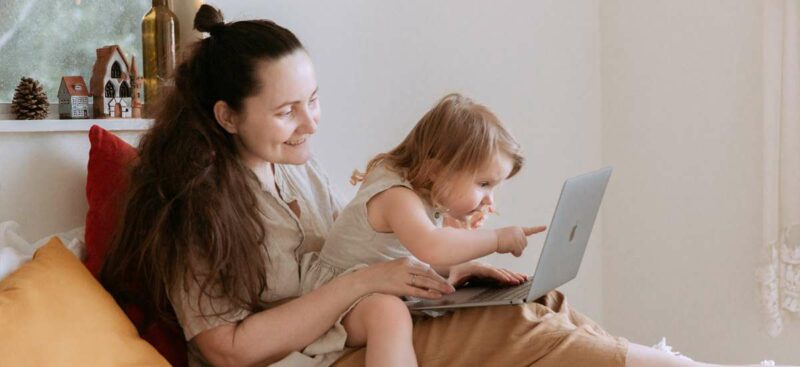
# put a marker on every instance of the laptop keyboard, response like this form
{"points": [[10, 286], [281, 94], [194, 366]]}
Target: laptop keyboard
{"points": [[493, 294]]}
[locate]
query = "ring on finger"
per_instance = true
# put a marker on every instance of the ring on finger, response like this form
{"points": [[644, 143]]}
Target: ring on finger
{"points": [[413, 279]]}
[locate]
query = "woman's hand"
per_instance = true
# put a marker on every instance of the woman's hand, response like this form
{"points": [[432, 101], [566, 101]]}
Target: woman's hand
{"points": [[404, 277], [461, 273]]}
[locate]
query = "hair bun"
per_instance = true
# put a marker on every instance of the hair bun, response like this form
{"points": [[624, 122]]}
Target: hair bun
{"points": [[208, 19]]}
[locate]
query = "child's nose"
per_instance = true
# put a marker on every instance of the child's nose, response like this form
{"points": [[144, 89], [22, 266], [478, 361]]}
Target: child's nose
{"points": [[488, 199]]}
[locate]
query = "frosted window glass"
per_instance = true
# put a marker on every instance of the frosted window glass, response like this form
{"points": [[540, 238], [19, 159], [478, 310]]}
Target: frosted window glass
{"points": [[48, 39]]}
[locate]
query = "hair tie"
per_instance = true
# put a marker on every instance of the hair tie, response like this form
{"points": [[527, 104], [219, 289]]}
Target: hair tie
{"points": [[216, 29]]}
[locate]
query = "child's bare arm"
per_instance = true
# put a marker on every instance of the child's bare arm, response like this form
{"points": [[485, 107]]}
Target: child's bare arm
{"points": [[403, 212]]}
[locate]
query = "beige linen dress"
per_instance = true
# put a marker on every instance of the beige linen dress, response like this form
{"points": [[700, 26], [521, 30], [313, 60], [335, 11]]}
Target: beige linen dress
{"points": [[289, 238]]}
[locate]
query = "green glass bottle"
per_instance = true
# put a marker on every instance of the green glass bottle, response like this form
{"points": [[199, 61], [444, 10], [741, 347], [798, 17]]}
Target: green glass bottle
{"points": [[160, 38]]}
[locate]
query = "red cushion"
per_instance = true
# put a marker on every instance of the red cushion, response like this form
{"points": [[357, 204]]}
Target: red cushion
{"points": [[109, 161]]}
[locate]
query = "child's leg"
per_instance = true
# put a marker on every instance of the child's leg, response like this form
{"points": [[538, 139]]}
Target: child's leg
{"points": [[382, 323]]}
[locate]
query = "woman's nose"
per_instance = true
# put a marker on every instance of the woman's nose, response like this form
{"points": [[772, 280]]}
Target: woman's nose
{"points": [[308, 125]]}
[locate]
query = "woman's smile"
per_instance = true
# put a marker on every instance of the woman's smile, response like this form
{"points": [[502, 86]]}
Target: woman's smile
{"points": [[295, 142]]}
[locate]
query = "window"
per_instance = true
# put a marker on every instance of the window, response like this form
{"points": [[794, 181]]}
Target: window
{"points": [[124, 91], [48, 39], [109, 90], [116, 71]]}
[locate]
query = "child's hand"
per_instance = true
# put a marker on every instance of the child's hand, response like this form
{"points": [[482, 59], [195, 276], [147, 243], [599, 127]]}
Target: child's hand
{"points": [[515, 239], [448, 221], [478, 219], [476, 271], [472, 221]]}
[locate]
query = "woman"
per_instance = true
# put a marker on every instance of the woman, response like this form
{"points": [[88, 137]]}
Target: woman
{"points": [[226, 199]]}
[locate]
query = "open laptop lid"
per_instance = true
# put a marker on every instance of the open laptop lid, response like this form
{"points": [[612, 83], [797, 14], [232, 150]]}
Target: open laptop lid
{"points": [[569, 231], [561, 256]]}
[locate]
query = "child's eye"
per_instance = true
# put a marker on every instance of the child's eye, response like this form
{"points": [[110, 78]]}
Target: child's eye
{"points": [[484, 184]]}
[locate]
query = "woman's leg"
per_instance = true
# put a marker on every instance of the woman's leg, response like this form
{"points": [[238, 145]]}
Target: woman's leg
{"points": [[547, 333], [642, 356], [544, 334], [382, 323]]}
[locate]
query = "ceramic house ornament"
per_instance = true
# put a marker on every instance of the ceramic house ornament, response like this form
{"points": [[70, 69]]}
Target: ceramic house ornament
{"points": [[74, 101], [112, 84]]}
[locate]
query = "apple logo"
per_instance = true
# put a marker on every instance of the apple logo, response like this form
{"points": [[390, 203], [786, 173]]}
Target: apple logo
{"points": [[572, 234]]}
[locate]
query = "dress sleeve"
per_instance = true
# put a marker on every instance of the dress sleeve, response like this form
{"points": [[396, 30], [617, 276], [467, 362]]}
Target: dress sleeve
{"points": [[197, 317]]}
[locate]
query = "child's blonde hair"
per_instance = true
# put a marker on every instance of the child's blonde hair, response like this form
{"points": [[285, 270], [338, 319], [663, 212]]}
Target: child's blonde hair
{"points": [[457, 136]]}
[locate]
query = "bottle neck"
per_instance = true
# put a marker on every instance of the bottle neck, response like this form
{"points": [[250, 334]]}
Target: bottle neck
{"points": [[160, 3]]}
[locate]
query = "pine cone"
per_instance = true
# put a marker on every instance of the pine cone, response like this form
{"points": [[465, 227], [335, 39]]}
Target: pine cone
{"points": [[30, 101]]}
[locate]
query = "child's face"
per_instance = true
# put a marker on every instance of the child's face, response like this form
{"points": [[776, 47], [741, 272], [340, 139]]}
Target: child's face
{"points": [[469, 193]]}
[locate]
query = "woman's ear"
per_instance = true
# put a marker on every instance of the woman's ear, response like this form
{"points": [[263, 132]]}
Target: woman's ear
{"points": [[225, 116]]}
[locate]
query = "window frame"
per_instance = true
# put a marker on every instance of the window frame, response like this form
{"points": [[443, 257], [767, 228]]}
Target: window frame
{"points": [[9, 123]]}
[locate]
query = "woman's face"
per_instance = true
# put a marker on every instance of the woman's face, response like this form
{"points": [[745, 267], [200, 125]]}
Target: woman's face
{"points": [[274, 125]]}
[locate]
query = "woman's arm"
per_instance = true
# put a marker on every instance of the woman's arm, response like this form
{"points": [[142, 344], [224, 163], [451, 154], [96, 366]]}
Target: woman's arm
{"points": [[272, 334], [403, 212]]}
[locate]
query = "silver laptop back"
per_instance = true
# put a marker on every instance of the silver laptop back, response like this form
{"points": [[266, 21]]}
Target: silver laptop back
{"points": [[569, 231]]}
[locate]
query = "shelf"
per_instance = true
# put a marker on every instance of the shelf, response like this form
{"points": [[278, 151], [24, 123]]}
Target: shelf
{"points": [[22, 126]]}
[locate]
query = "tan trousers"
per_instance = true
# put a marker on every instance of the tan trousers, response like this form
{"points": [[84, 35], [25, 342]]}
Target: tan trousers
{"points": [[544, 333]]}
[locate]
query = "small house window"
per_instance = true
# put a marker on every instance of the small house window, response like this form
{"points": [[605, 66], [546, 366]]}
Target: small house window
{"points": [[77, 87], [109, 90], [116, 71], [124, 91]]}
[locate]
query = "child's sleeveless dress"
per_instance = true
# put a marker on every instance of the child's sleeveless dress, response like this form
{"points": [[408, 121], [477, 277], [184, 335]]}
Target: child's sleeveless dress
{"points": [[352, 243]]}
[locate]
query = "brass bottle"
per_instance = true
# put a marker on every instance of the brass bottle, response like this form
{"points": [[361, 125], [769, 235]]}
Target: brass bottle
{"points": [[160, 38]]}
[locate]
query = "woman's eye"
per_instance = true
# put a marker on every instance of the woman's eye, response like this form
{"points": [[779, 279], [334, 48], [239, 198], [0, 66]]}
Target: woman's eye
{"points": [[286, 113], [313, 101], [484, 184]]}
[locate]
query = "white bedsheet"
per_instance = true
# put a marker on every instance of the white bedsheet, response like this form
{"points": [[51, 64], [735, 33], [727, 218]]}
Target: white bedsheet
{"points": [[15, 250]]}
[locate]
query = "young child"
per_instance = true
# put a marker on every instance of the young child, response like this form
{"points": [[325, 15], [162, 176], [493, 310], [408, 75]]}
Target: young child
{"points": [[447, 167]]}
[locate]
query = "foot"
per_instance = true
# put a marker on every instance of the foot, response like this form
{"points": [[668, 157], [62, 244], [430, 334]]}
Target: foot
{"points": [[662, 346]]}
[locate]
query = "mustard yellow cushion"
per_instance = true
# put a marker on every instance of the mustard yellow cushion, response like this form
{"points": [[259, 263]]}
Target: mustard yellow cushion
{"points": [[54, 313]]}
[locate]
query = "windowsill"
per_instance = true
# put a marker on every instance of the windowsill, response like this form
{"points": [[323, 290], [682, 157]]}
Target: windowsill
{"points": [[16, 126], [53, 124]]}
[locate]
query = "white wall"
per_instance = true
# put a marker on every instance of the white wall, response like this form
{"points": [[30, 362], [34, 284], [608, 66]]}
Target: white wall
{"points": [[682, 126], [43, 180], [381, 65]]}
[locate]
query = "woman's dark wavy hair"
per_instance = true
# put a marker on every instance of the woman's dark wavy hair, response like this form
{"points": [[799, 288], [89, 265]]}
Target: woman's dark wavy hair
{"points": [[190, 214]]}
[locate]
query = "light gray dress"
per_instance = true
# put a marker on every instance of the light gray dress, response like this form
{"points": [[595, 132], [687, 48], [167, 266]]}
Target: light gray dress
{"points": [[352, 243]]}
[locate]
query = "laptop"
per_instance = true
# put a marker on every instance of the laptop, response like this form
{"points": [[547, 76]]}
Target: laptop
{"points": [[561, 255]]}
